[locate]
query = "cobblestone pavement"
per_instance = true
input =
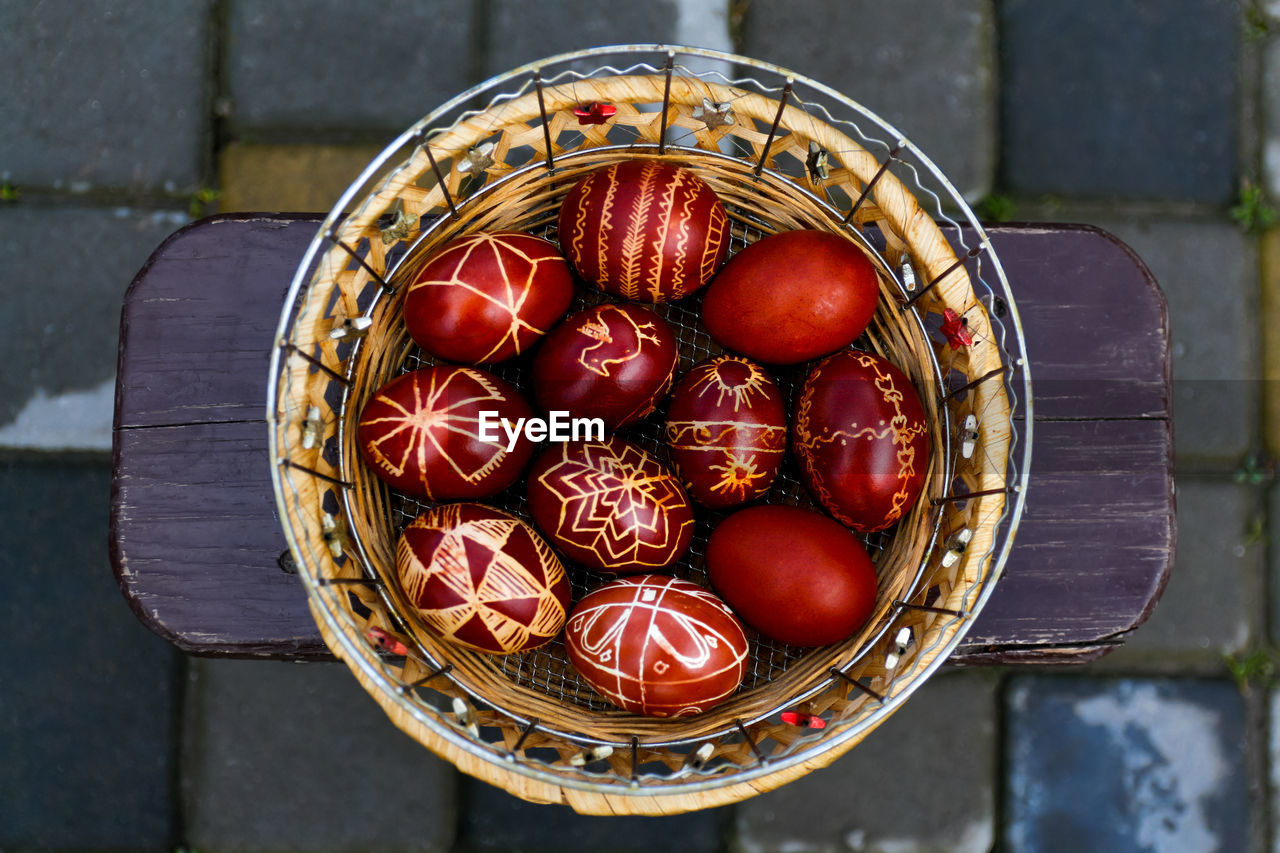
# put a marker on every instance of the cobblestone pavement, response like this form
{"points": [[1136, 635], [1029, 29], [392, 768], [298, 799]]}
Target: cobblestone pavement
{"points": [[123, 120]]}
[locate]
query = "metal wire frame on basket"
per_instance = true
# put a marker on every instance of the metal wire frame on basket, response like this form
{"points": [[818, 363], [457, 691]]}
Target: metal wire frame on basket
{"points": [[623, 763]]}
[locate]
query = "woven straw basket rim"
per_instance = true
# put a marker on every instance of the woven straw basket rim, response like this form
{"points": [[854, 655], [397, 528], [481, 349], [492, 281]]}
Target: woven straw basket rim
{"points": [[505, 165]]}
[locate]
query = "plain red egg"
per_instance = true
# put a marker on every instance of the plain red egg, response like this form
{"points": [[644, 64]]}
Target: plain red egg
{"points": [[862, 439], [791, 297], [421, 433], [793, 574], [613, 362], [487, 297], [727, 430], [644, 230], [657, 645], [610, 506], [482, 578]]}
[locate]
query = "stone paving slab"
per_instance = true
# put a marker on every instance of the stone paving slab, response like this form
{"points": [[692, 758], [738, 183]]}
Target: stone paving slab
{"points": [[104, 94], [1270, 322], [521, 32], [1273, 571], [1271, 112], [1121, 98], [493, 821], [1133, 765], [1212, 605], [1209, 274], [289, 178], [926, 67], [1274, 756], [923, 782], [297, 67], [67, 271], [87, 695], [290, 757]]}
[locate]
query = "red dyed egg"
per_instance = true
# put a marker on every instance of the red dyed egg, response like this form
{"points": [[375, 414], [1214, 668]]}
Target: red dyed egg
{"points": [[482, 578], [791, 297], [862, 439], [610, 506], [793, 574], [657, 645], [727, 429], [421, 432], [644, 230], [613, 362], [487, 297]]}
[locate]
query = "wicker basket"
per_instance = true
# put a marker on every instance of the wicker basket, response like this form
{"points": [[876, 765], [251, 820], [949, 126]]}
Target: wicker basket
{"points": [[783, 153]]}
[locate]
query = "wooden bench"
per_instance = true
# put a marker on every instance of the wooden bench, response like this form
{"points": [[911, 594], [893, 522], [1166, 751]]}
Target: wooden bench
{"points": [[198, 551]]}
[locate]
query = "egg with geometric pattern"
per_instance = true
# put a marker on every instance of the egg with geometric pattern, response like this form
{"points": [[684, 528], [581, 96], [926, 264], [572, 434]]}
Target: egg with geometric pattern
{"points": [[487, 297], [482, 578]]}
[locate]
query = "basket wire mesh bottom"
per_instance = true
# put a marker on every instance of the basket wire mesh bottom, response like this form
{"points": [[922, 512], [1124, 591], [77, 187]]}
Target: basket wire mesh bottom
{"points": [[547, 668]]}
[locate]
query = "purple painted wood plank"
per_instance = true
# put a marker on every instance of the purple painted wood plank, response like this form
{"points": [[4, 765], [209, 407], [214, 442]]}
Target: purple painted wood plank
{"points": [[197, 324], [1096, 323], [195, 541], [1097, 537]]}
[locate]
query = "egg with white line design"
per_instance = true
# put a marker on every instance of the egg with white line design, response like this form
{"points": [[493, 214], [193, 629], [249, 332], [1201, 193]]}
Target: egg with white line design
{"points": [[657, 645]]}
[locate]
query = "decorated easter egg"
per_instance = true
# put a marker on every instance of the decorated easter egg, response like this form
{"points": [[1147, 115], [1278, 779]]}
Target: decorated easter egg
{"points": [[609, 505], [862, 439], [487, 297], [792, 296], [793, 574], [424, 433], [613, 362], [482, 578], [644, 230], [727, 429], [657, 645]]}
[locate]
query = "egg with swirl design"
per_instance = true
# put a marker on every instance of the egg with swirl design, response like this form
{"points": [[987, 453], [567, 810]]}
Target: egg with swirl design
{"points": [[862, 439], [613, 362]]}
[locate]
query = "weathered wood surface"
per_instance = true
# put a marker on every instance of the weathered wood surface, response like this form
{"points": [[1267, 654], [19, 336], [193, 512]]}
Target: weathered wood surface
{"points": [[196, 541]]}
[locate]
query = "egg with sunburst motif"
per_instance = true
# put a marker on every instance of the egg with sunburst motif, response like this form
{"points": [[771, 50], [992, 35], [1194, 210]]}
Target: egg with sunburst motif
{"points": [[727, 430], [422, 433]]}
